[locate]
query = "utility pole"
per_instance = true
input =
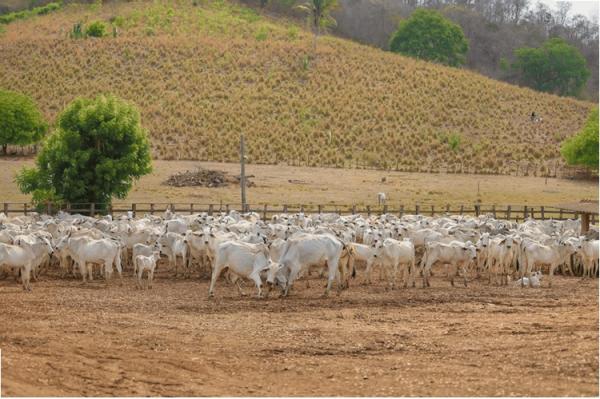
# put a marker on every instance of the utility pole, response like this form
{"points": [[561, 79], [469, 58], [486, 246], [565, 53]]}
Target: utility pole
{"points": [[243, 173]]}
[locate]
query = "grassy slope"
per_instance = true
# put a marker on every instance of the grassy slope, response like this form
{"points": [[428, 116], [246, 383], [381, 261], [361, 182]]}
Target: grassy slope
{"points": [[203, 75]]}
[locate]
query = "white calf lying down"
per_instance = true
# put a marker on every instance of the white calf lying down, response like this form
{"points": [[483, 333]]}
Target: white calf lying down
{"points": [[534, 281], [145, 264]]}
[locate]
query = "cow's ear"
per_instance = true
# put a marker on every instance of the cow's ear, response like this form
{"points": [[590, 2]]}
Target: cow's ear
{"points": [[464, 248], [212, 235]]}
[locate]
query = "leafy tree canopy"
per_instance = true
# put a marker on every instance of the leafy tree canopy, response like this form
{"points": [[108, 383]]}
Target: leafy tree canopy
{"points": [[427, 35], [21, 122], [556, 67], [98, 149], [582, 149]]}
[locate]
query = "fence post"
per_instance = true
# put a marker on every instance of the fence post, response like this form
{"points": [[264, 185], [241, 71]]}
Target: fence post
{"points": [[462, 208], [401, 210], [385, 209], [92, 209], [191, 208], [542, 212], [265, 212], [25, 208], [110, 210], [525, 212], [210, 209], [48, 208], [561, 214], [152, 209], [417, 208], [6, 209], [285, 209], [508, 209], [448, 208], [432, 210], [477, 209], [227, 208], [320, 208], [353, 209], [133, 207], [494, 210], [173, 208], [368, 210], [302, 209]]}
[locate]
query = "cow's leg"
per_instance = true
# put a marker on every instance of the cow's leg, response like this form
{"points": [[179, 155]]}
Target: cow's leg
{"points": [[550, 274], [150, 278], [215, 274], [256, 278]]}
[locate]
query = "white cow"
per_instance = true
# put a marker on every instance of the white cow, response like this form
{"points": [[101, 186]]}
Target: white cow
{"points": [[243, 260], [395, 254], [537, 255], [456, 253], [147, 264], [303, 251], [18, 259], [146, 250], [588, 249], [85, 250], [174, 245]]}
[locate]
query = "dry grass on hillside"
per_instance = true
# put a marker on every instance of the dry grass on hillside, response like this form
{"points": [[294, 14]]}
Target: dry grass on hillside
{"points": [[337, 186], [203, 75]]}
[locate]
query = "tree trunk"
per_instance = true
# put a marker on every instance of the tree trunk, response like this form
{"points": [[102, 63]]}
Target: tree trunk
{"points": [[4, 148]]}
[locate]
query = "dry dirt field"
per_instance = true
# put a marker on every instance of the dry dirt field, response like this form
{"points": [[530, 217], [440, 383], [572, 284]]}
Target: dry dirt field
{"points": [[68, 338], [336, 186]]}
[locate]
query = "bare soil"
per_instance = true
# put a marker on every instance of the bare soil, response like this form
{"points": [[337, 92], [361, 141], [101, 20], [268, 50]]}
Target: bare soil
{"points": [[281, 184], [67, 338]]}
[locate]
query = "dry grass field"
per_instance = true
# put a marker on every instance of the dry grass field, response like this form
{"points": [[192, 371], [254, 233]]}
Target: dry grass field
{"points": [[335, 186], [70, 339], [201, 75]]}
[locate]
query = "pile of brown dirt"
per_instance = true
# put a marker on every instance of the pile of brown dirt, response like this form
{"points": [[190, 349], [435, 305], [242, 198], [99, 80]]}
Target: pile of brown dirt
{"points": [[204, 178]]}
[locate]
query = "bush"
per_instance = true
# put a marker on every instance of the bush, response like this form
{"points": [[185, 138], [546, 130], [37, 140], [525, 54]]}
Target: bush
{"points": [[98, 149], [13, 16], [556, 67], [21, 122], [454, 141], [96, 29], [582, 149], [429, 36]]}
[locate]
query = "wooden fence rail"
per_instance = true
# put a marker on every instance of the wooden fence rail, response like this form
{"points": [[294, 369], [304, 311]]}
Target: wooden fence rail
{"points": [[505, 212]]}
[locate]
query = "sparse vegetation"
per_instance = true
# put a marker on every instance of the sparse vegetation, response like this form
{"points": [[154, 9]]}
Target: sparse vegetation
{"points": [[203, 78]]}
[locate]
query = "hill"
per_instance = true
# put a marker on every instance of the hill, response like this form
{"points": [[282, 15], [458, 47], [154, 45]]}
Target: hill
{"points": [[202, 74]]}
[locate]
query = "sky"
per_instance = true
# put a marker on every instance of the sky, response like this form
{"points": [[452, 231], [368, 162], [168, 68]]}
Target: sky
{"points": [[589, 8]]}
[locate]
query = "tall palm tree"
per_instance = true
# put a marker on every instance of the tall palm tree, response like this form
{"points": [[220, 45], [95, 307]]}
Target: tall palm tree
{"points": [[319, 14]]}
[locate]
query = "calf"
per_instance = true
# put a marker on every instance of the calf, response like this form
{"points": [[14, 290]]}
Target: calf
{"points": [[147, 264]]}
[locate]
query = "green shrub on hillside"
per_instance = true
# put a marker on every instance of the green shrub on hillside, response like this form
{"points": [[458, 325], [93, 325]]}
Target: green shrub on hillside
{"points": [[429, 36], [96, 29], [582, 149], [13, 16]]}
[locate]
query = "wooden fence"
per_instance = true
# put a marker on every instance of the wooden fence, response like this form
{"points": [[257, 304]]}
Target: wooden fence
{"points": [[505, 212]]}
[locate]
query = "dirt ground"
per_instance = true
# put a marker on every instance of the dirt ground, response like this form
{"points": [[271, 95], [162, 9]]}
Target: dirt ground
{"points": [[281, 184], [67, 338]]}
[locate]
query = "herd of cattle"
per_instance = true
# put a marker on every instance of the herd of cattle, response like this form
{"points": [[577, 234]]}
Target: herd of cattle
{"points": [[277, 253]]}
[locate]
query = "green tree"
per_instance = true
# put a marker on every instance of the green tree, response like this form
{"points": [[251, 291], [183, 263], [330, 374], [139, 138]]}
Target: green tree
{"points": [[319, 14], [98, 149], [427, 35], [556, 67], [582, 149], [21, 122]]}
